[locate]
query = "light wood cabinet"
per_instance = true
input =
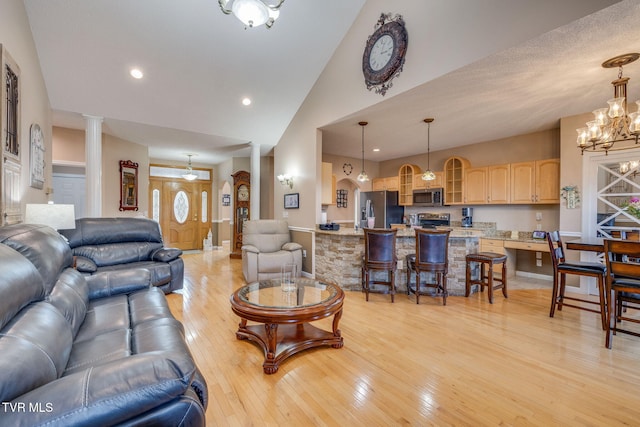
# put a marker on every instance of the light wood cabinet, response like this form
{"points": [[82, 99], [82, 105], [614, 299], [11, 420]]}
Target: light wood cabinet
{"points": [[420, 184], [499, 184], [454, 171], [406, 176], [475, 180], [328, 184], [389, 183], [492, 245], [535, 182]]}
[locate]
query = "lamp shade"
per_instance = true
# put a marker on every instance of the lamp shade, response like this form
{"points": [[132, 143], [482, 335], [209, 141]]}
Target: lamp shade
{"points": [[58, 217]]}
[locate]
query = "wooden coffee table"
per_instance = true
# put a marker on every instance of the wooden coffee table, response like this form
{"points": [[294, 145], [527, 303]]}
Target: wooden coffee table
{"points": [[285, 317]]}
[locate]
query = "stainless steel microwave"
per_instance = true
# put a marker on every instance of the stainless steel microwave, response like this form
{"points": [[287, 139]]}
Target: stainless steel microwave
{"points": [[428, 197]]}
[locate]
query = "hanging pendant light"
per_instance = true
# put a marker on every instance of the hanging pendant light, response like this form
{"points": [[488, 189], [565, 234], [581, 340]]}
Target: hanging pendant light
{"points": [[189, 175], [428, 175], [363, 177]]}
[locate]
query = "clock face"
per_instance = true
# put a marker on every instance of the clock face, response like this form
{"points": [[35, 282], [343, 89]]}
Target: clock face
{"points": [[243, 193], [381, 52], [384, 53]]}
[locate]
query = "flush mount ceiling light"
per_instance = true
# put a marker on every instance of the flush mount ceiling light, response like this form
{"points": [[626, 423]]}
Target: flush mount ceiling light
{"points": [[252, 13], [363, 177], [612, 124], [428, 175], [136, 73], [189, 175]]}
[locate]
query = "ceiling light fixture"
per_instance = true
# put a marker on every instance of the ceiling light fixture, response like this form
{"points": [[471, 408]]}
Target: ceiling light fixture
{"points": [[252, 13], [428, 175], [363, 177], [136, 73], [246, 101], [612, 124], [189, 175]]}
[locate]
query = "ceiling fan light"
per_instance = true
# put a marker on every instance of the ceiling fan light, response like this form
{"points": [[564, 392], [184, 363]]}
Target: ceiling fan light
{"points": [[252, 13]]}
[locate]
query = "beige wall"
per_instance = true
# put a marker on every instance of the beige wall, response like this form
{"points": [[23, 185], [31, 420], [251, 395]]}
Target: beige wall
{"points": [[68, 146], [16, 39]]}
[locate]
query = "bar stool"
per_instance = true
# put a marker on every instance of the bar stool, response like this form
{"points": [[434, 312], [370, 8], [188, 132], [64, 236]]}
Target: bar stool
{"points": [[432, 256], [379, 254], [486, 279]]}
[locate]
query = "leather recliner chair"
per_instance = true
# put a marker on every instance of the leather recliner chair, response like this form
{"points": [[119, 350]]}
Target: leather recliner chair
{"points": [[266, 248]]}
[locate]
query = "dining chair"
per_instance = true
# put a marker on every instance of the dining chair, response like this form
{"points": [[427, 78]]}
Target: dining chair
{"points": [[579, 268], [379, 255], [623, 284], [432, 256]]}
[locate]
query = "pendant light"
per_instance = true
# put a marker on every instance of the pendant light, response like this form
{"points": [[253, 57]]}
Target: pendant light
{"points": [[363, 177], [189, 175], [428, 175]]}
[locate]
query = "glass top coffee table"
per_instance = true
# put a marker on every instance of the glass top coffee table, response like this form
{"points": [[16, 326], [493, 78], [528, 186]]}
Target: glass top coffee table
{"points": [[286, 317]]}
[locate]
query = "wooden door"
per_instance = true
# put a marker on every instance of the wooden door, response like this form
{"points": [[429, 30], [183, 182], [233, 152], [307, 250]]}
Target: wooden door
{"points": [[180, 214]]}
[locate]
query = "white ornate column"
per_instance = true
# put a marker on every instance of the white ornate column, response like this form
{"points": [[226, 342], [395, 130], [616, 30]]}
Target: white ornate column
{"points": [[255, 181], [93, 164]]}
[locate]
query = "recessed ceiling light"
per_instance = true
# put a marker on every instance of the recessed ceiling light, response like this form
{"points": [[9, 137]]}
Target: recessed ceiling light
{"points": [[375, 150], [246, 101], [136, 73]]}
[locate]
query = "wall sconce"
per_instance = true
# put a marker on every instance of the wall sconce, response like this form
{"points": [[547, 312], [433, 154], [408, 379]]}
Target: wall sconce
{"points": [[286, 180]]}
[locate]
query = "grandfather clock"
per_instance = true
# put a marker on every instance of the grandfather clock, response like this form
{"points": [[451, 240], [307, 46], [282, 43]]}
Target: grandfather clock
{"points": [[241, 199]]}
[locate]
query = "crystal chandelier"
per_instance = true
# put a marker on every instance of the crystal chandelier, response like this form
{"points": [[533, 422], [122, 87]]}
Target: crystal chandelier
{"points": [[363, 177], [612, 124], [428, 175], [189, 175], [252, 13]]}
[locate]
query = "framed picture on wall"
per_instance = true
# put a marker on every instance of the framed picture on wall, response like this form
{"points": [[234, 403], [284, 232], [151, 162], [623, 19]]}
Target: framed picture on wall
{"points": [[292, 201]]}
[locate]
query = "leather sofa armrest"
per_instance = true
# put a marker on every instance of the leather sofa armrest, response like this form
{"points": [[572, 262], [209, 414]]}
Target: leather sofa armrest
{"points": [[291, 246], [84, 264], [250, 248], [107, 283], [108, 394], [166, 254]]}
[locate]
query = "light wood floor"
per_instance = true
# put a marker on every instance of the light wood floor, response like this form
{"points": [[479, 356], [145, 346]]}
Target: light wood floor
{"points": [[469, 363]]}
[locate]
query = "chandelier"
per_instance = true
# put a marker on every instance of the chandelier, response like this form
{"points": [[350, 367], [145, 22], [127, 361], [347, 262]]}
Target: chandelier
{"points": [[612, 124], [189, 175], [428, 175], [363, 177], [252, 13]]}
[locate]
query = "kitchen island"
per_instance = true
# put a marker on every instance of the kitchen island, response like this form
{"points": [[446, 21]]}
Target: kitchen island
{"points": [[338, 257]]}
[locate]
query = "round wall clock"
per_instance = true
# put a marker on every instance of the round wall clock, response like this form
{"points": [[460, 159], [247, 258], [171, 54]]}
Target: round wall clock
{"points": [[347, 168], [384, 53]]}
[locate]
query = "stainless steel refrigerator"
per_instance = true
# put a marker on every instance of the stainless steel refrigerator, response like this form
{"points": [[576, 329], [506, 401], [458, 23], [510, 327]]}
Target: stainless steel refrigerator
{"points": [[383, 205]]}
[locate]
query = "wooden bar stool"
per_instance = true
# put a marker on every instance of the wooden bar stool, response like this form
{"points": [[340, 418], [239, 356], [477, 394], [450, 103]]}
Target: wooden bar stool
{"points": [[379, 254], [486, 279]]}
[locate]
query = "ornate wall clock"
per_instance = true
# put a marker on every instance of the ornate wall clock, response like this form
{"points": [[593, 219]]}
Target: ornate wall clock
{"points": [[384, 53]]}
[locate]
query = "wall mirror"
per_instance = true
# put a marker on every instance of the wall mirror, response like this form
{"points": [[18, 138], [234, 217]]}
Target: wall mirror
{"points": [[128, 185]]}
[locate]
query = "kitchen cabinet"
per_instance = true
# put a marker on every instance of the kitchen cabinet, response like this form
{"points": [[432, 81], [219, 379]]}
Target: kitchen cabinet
{"points": [[492, 245], [389, 183], [420, 184], [328, 184], [475, 186], [406, 176], [499, 184], [454, 171], [535, 182]]}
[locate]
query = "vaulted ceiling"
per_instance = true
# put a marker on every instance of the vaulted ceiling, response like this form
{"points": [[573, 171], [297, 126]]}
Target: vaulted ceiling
{"points": [[199, 64]]}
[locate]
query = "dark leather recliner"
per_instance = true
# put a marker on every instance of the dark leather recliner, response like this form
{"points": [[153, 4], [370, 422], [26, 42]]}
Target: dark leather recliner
{"points": [[120, 244], [74, 352]]}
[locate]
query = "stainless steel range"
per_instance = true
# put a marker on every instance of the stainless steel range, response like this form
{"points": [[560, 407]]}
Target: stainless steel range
{"points": [[433, 220]]}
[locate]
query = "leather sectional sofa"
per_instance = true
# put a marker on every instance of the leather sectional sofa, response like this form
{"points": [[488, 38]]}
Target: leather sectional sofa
{"points": [[120, 244], [95, 353]]}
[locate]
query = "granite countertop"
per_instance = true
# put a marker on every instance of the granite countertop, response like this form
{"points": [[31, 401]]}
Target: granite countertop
{"points": [[456, 232], [402, 232]]}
